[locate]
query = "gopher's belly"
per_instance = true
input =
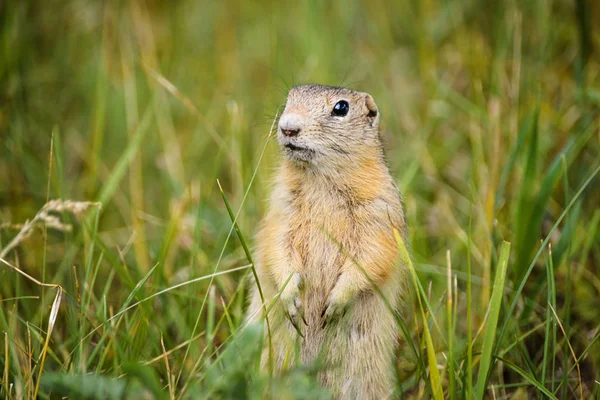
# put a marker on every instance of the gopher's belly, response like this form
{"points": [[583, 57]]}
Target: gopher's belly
{"points": [[322, 261], [321, 234], [321, 268]]}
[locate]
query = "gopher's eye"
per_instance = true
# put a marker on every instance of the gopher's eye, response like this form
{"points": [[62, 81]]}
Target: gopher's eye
{"points": [[340, 109]]}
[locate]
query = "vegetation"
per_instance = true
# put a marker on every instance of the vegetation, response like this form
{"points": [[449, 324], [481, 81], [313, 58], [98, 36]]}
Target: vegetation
{"points": [[131, 282]]}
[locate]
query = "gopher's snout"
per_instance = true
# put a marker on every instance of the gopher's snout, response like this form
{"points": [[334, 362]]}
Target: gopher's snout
{"points": [[290, 125]]}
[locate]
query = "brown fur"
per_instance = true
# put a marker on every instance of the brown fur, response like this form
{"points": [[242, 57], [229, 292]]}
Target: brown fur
{"points": [[330, 227]]}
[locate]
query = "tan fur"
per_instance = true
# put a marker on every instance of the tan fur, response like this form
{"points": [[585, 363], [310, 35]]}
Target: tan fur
{"points": [[330, 228]]}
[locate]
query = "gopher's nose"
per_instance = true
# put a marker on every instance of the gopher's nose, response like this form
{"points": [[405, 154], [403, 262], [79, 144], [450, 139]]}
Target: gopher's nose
{"points": [[290, 125], [290, 132]]}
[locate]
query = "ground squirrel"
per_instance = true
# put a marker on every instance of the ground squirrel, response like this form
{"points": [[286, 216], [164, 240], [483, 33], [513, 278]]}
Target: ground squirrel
{"points": [[330, 228]]}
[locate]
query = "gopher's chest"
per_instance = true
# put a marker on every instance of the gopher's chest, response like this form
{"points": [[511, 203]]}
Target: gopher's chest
{"points": [[323, 239]]}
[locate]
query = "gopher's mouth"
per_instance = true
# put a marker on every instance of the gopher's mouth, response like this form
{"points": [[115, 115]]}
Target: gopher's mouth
{"points": [[297, 153], [294, 147]]}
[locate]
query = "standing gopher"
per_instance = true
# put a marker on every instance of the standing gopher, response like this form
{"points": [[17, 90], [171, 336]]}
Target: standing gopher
{"points": [[329, 235]]}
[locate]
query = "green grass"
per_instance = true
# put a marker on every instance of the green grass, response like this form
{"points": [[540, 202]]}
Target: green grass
{"points": [[162, 111]]}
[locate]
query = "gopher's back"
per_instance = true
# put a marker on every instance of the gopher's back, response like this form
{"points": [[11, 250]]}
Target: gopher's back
{"points": [[327, 244]]}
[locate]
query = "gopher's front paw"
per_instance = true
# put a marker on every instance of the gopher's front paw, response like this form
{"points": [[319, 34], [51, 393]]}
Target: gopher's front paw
{"points": [[292, 304], [337, 303]]}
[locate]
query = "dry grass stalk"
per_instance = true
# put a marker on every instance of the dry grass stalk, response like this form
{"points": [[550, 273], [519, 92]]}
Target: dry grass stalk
{"points": [[44, 218]]}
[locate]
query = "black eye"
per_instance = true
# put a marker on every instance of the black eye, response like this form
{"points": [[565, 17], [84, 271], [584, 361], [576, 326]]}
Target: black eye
{"points": [[340, 109]]}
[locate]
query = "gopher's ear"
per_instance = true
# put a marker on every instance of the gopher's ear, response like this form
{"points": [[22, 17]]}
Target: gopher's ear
{"points": [[372, 111]]}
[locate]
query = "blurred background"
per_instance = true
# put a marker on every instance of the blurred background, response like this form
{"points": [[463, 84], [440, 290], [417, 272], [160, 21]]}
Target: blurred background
{"points": [[490, 118]]}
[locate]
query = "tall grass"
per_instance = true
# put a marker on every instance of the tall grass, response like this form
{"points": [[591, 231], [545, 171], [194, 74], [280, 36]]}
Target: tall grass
{"points": [[490, 115]]}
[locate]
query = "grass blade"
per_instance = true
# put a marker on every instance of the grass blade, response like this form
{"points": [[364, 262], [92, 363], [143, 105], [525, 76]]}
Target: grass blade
{"points": [[451, 333], [550, 338], [51, 322], [528, 377], [434, 374], [110, 186], [492, 321], [469, 388], [512, 158], [570, 349]]}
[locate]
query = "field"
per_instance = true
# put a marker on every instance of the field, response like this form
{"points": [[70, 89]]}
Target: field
{"points": [[133, 134]]}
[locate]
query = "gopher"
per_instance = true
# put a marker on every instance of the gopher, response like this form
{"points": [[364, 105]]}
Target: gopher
{"points": [[327, 246]]}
